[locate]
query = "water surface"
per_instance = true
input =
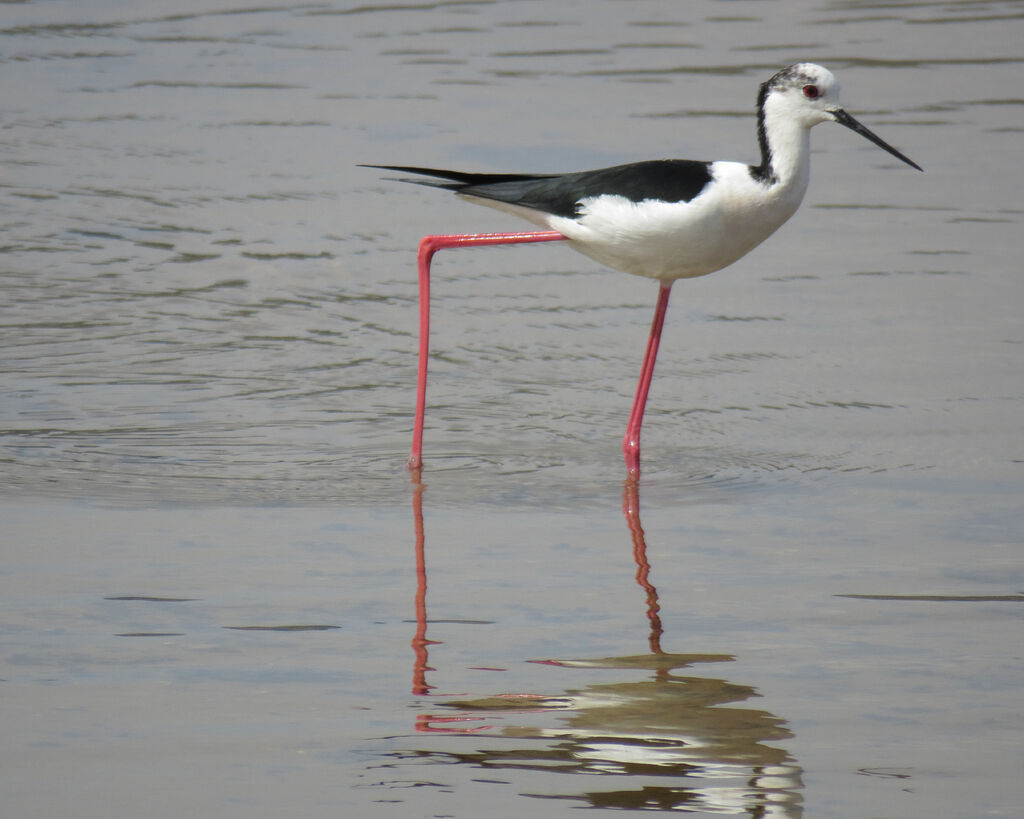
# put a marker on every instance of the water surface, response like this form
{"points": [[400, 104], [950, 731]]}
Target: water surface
{"points": [[222, 594]]}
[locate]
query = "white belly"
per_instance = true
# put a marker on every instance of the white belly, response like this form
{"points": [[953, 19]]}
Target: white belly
{"points": [[675, 240]]}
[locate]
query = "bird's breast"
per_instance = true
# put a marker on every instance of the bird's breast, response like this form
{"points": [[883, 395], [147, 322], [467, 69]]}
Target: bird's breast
{"points": [[673, 240]]}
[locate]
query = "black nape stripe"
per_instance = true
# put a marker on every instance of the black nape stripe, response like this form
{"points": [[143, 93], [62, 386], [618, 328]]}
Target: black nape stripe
{"points": [[764, 172]]}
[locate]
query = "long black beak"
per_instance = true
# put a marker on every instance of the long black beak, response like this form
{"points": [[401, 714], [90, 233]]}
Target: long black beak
{"points": [[845, 119]]}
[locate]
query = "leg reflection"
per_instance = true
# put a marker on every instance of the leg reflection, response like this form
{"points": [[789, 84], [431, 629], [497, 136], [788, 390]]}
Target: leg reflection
{"points": [[420, 641], [631, 510], [661, 737]]}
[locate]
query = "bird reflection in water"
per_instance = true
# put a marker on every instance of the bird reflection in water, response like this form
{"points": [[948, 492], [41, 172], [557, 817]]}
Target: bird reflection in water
{"points": [[676, 742]]}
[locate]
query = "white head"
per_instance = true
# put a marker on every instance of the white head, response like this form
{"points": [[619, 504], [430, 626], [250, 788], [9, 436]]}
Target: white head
{"points": [[806, 94]]}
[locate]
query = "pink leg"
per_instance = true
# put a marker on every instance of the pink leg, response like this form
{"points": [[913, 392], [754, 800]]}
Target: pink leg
{"points": [[429, 245], [631, 442]]}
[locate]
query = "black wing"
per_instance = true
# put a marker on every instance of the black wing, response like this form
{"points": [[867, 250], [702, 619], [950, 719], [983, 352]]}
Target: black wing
{"points": [[666, 180]]}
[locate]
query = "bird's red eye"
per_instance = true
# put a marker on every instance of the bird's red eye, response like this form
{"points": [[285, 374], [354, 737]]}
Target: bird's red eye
{"points": [[811, 92]]}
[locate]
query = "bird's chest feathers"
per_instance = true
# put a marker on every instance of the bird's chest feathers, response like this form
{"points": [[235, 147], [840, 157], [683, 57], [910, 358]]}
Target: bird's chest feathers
{"points": [[668, 240]]}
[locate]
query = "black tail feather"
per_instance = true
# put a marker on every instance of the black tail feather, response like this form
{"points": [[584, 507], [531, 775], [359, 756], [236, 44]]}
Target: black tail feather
{"points": [[456, 180]]}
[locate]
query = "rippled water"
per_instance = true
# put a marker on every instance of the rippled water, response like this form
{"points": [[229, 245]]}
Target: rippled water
{"points": [[208, 335]]}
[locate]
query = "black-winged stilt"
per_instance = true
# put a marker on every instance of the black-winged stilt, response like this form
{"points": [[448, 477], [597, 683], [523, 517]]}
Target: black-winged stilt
{"points": [[664, 219]]}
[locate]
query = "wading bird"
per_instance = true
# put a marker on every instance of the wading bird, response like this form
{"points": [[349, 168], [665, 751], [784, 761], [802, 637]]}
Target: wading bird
{"points": [[665, 219]]}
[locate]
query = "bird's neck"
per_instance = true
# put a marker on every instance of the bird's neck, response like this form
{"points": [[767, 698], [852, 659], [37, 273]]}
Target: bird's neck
{"points": [[785, 151]]}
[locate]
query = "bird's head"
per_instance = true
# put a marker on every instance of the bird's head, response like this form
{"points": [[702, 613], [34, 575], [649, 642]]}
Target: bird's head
{"points": [[806, 93]]}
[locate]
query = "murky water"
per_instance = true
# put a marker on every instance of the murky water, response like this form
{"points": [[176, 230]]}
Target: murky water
{"points": [[223, 596]]}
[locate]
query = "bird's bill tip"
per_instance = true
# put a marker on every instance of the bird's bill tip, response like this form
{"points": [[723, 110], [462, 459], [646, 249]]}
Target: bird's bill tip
{"points": [[845, 119]]}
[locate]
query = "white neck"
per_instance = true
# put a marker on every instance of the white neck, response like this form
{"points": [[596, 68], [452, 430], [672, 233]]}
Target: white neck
{"points": [[785, 149]]}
